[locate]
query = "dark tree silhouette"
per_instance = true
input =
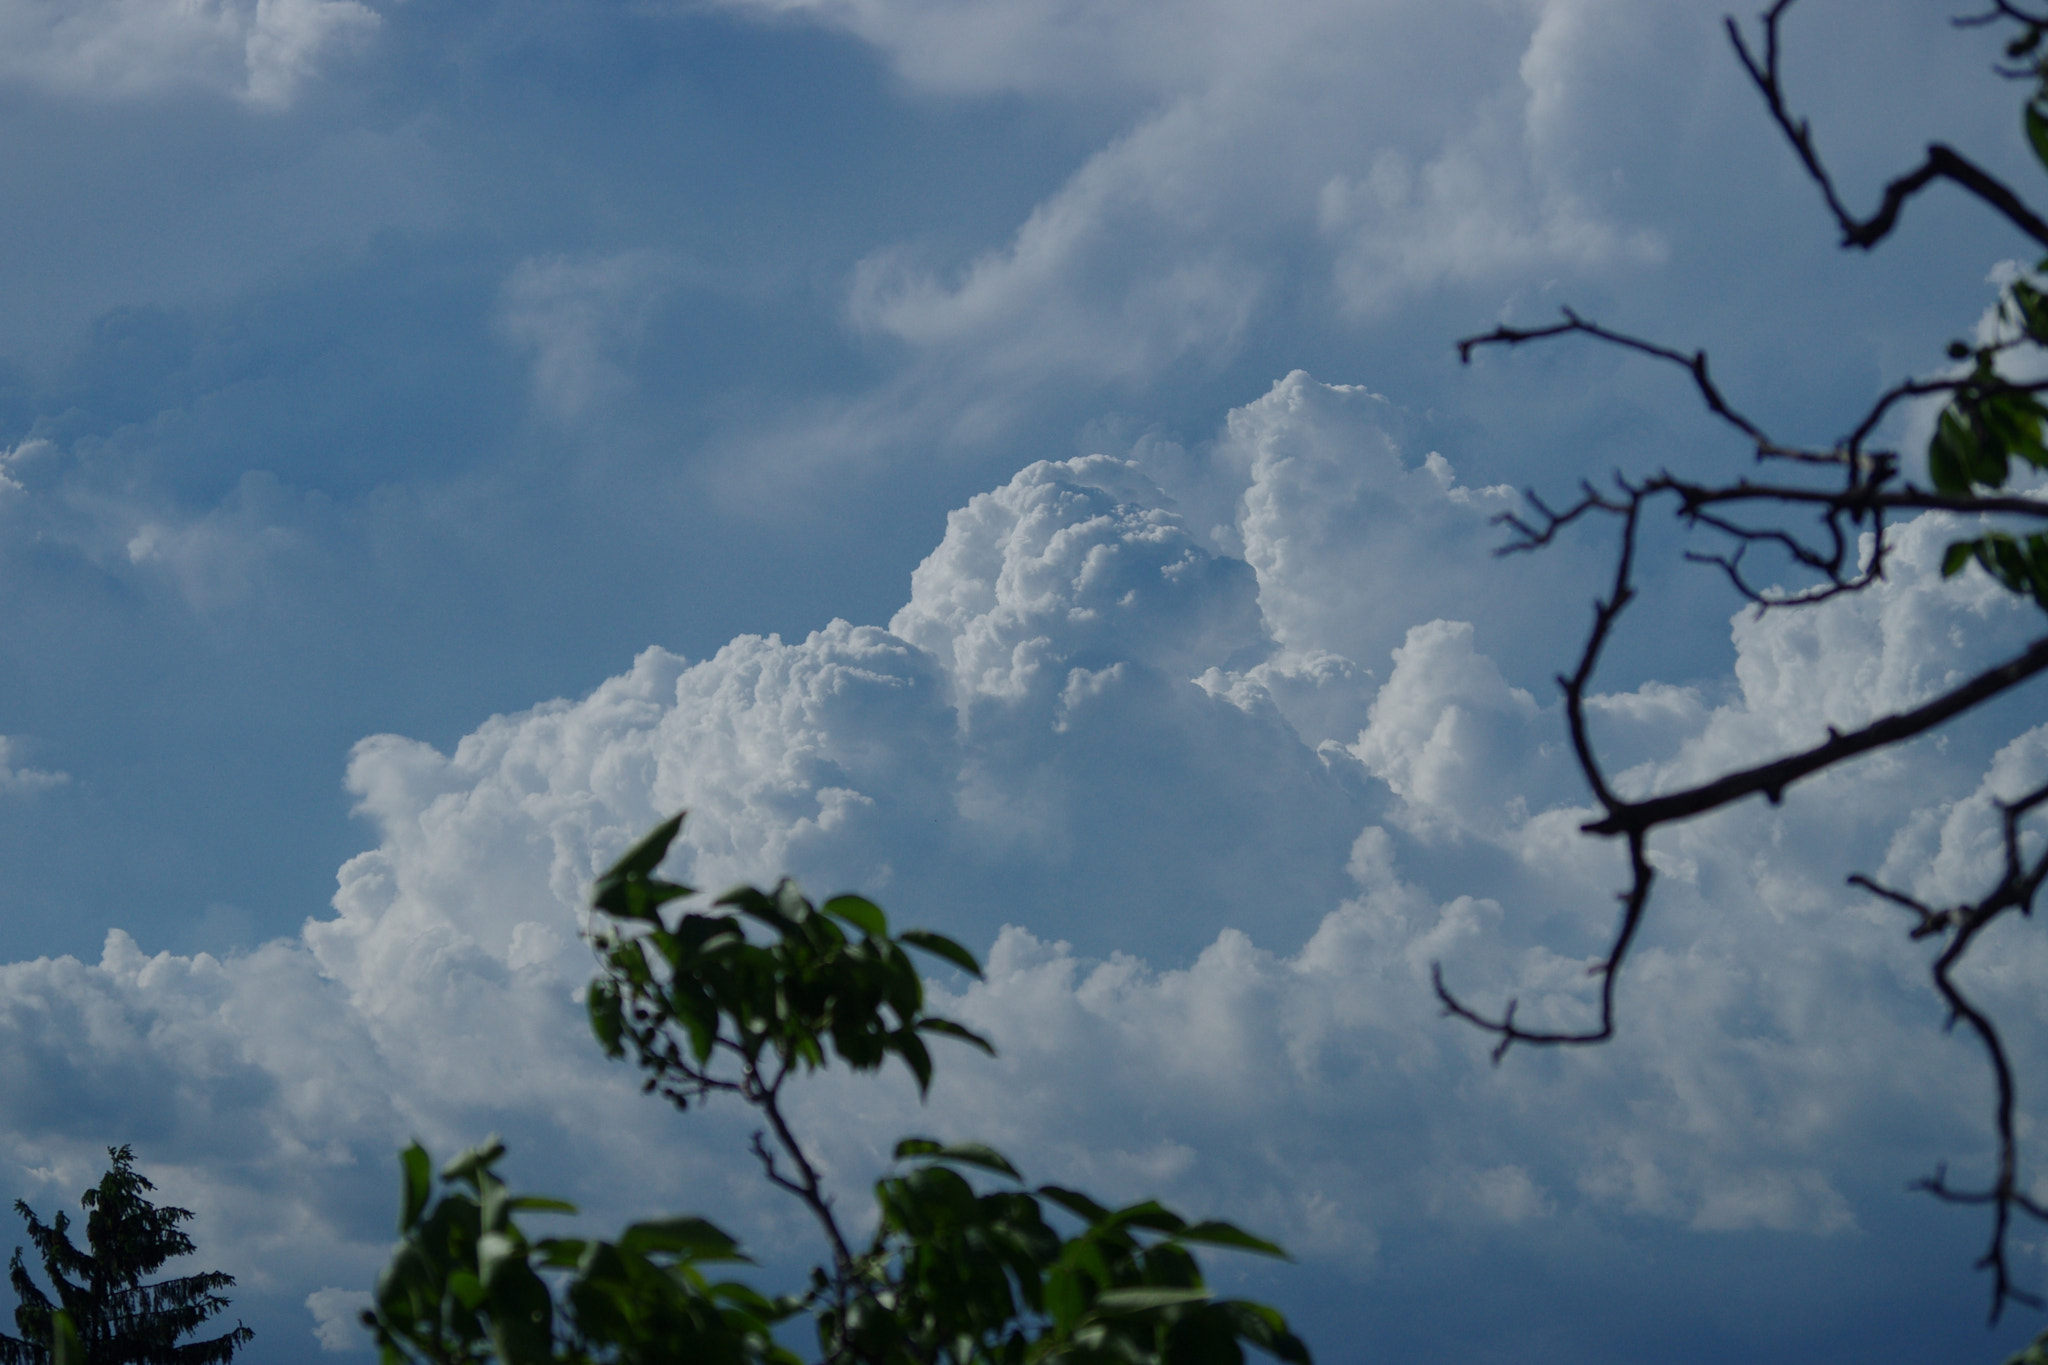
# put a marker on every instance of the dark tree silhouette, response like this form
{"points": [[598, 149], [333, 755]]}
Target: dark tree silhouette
{"points": [[103, 1306], [1812, 510]]}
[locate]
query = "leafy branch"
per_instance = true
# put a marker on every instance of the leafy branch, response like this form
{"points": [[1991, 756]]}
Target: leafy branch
{"points": [[738, 1000]]}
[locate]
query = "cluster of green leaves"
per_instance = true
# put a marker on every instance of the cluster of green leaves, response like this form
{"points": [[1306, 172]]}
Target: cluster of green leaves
{"points": [[1990, 422], [737, 1000], [965, 1277], [466, 1284], [679, 994], [953, 1275]]}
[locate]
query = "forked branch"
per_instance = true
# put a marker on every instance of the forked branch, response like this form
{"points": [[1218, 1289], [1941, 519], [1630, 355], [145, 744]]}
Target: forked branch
{"points": [[1942, 161]]}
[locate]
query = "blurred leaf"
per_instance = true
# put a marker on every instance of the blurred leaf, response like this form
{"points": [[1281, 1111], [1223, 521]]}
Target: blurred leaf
{"points": [[1149, 1214], [1951, 452], [65, 1348], [938, 945], [417, 1171], [1074, 1202], [694, 1238], [917, 1057], [2037, 130], [641, 859], [601, 1002], [949, 1029], [2033, 309], [1229, 1235], [627, 890], [967, 1153], [1140, 1298], [475, 1163], [1264, 1328], [862, 913]]}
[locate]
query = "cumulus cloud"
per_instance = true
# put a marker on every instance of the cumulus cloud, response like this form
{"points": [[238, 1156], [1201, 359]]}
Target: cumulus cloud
{"points": [[260, 51], [19, 781], [1209, 932]]}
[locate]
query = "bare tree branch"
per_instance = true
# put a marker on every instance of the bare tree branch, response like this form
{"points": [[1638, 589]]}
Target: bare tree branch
{"points": [[1942, 163], [1771, 779], [1837, 539]]}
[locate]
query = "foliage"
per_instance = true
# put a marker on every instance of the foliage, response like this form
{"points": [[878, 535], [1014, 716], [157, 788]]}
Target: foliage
{"points": [[739, 999], [104, 1313], [1823, 513]]}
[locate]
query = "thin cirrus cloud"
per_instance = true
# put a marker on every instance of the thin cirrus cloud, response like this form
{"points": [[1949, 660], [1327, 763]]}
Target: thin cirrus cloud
{"points": [[259, 51], [1235, 193], [1209, 930]]}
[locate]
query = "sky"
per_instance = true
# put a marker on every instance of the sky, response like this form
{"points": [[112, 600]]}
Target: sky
{"points": [[1012, 460]]}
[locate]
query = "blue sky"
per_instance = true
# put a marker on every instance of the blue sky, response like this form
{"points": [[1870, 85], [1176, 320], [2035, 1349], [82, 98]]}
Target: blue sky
{"points": [[1011, 459]]}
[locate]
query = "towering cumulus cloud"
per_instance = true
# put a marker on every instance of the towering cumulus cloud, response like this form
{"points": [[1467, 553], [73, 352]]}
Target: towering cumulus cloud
{"points": [[1210, 815]]}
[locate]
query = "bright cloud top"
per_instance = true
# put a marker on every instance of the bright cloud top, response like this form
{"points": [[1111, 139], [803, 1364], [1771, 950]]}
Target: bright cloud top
{"points": [[1215, 853]]}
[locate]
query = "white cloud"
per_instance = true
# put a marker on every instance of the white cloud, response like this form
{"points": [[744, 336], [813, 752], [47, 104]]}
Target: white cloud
{"points": [[1315, 160], [260, 51], [335, 1312], [219, 560], [1026, 745], [22, 453], [1334, 517], [580, 317], [19, 781], [1449, 736]]}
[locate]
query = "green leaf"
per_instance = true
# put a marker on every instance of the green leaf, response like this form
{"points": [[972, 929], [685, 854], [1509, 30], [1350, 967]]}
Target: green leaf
{"points": [[467, 1288], [417, 1170], [917, 1057], [1150, 1214], [641, 859], [2033, 309], [1957, 556], [1074, 1202], [938, 945], [636, 898], [966, 1153], [1064, 1298], [949, 1029], [628, 890], [694, 1238], [1228, 1235], [65, 1348], [755, 903], [1264, 1328], [1140, 1298], [2013, 419], [560, 1253], [862, 913], [601, 1002], [475, 1163], [539, 1203], [2037, 130], [522, 1317], [1951, 452]]}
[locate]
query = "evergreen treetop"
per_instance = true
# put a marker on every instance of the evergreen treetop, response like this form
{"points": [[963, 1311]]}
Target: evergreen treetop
{"points": [[103, 1305]]}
